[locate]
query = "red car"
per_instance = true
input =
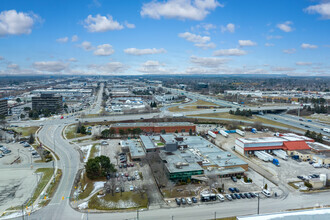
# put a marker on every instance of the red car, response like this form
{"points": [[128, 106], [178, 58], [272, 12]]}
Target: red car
{"points": [[132, 164], [126, 174]]}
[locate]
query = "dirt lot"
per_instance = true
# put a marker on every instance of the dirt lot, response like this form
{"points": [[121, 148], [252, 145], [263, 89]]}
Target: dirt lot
{"points": [[17, 181]]}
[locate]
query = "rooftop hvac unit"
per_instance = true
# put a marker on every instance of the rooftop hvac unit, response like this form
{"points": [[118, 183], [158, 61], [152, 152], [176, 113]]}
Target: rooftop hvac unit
{"points": [[218, 156], [229, 155]]}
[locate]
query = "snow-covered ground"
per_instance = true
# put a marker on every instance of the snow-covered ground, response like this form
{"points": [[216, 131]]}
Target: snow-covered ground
{"points": [[86, 150], [83, 205], [98, 185]]}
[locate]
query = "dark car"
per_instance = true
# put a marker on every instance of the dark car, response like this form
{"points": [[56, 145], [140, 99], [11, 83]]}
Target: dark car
{"points": [[183, 201], [194, 200], [120, 166], [236, 190], [234, 179], [237, 196], [252, 195], [247, 195], [242, 195], [300, 177], [233, 196], [178, 201], [231, 190]]}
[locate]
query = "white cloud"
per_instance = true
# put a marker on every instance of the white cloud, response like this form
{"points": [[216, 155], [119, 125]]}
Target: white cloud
{"points": [[208, 26], [128, 25], [229, 52], [274, 37], [308, 46], [153, 67], [72, 59], [180, 9], [138, 52], [206, 45], [229, 27], [303, 63], [269, 45], [50, 66], [74, 38], [62, 40], [323, 9], [104, 50], [101, 23], [86, 46], [286, 26], [111, 67], [283, 69], [13, 66], [16, 23], [208, 61], [289, 51], [244, 43], [194, 38]]}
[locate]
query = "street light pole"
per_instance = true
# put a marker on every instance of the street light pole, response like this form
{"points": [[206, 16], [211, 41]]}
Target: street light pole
{"points": [[258, 202], [215, 215]]}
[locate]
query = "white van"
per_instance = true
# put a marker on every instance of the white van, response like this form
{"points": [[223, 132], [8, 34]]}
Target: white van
{"points": [[266, 192], [221, 197]]}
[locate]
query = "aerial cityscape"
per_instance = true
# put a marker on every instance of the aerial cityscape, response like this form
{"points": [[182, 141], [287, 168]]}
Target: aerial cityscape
{"points": [[165, 109]]}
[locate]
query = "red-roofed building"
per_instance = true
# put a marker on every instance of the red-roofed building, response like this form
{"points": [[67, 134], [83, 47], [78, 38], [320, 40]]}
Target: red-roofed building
{"points": [[295, 145]]}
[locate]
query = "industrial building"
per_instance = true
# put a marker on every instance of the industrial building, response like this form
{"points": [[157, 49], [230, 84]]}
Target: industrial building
{"points": [[289, 142], [161, 127], [49, 102], [3, 107], [134, 148], [193, 157]]}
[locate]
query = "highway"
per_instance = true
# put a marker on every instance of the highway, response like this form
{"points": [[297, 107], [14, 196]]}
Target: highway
{"points": [[69, 163]]}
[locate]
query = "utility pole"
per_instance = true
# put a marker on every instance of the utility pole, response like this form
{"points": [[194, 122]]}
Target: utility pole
{"points": [[258, 202], [215, 215], [22, 212], [137, 214]]}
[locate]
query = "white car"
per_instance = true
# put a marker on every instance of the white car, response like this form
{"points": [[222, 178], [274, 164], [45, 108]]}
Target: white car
{"points": [[266, 192], [189, 201], [221, 197], [131, 188]]}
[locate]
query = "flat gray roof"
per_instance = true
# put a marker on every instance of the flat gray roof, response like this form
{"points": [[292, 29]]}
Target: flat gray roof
{"points": [[147, 142], [135, 148], [174, 159]]}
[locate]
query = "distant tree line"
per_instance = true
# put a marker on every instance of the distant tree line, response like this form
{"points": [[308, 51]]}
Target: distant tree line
{"points": [[317, 137], [244, 112]]}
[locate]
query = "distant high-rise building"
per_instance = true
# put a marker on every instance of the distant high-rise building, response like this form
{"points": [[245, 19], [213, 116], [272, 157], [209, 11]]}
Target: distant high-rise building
{"points": [[3, 107], [47, 102]]}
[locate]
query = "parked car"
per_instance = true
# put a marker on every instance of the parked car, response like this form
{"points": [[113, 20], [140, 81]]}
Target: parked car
{"points": [[247, 195], [266, 193], [236, 189], [117, 190], [237, 196], [120, 166], [126, 174], [231, 190], [129, 178], [233, 196], [242, 195], [252, 195], [194, 200], [234, 179], [228, 197], [131, 188], [221, 197], [183, 201], [189, 201], [178, 201]]}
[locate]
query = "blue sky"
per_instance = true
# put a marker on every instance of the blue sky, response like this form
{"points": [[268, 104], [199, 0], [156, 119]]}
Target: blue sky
{"points": [[121, 37]]}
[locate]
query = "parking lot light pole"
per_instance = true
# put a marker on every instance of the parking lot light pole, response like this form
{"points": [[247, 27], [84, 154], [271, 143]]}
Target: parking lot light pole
{"points": [[215, 215], [258, 202]]}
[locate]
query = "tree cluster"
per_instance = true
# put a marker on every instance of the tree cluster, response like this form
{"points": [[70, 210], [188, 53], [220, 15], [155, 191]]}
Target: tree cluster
{"points": [[317, 137], [108, 133], [81, 129], [130, 132], [99, 167], [244, 112], [153, 105]]}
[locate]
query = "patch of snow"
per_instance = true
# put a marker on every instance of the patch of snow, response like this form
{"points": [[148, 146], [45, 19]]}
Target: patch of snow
{"points": [[13, 215], [97, 186], [83, 205], [86, 150]]}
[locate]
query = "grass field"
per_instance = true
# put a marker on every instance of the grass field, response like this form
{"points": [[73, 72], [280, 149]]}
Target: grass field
{"points": [[27, 131], [321, 117], [86, 184], [252, 119], [116, 199], [70, 132], [46, 175], [191, 106], [94, 151]]}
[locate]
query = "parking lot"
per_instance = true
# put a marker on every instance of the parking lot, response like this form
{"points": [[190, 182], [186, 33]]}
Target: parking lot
{"points": [[17, 179]]}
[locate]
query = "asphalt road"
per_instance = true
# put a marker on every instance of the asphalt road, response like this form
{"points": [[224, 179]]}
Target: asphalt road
{"points": [[69, 163]]}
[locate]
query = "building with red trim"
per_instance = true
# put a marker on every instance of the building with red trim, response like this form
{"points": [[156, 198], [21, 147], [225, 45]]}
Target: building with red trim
{"points": [[289, 142], [161, 127]]}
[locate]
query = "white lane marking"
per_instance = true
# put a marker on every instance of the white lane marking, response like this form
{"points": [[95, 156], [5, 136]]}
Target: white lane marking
{"points": [[82, 216]]}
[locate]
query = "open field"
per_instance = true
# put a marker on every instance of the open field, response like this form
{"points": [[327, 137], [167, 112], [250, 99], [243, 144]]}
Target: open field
{"points": [[27, 131], [191, 106], [70, 132], [124, 200], [252, 119]]}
